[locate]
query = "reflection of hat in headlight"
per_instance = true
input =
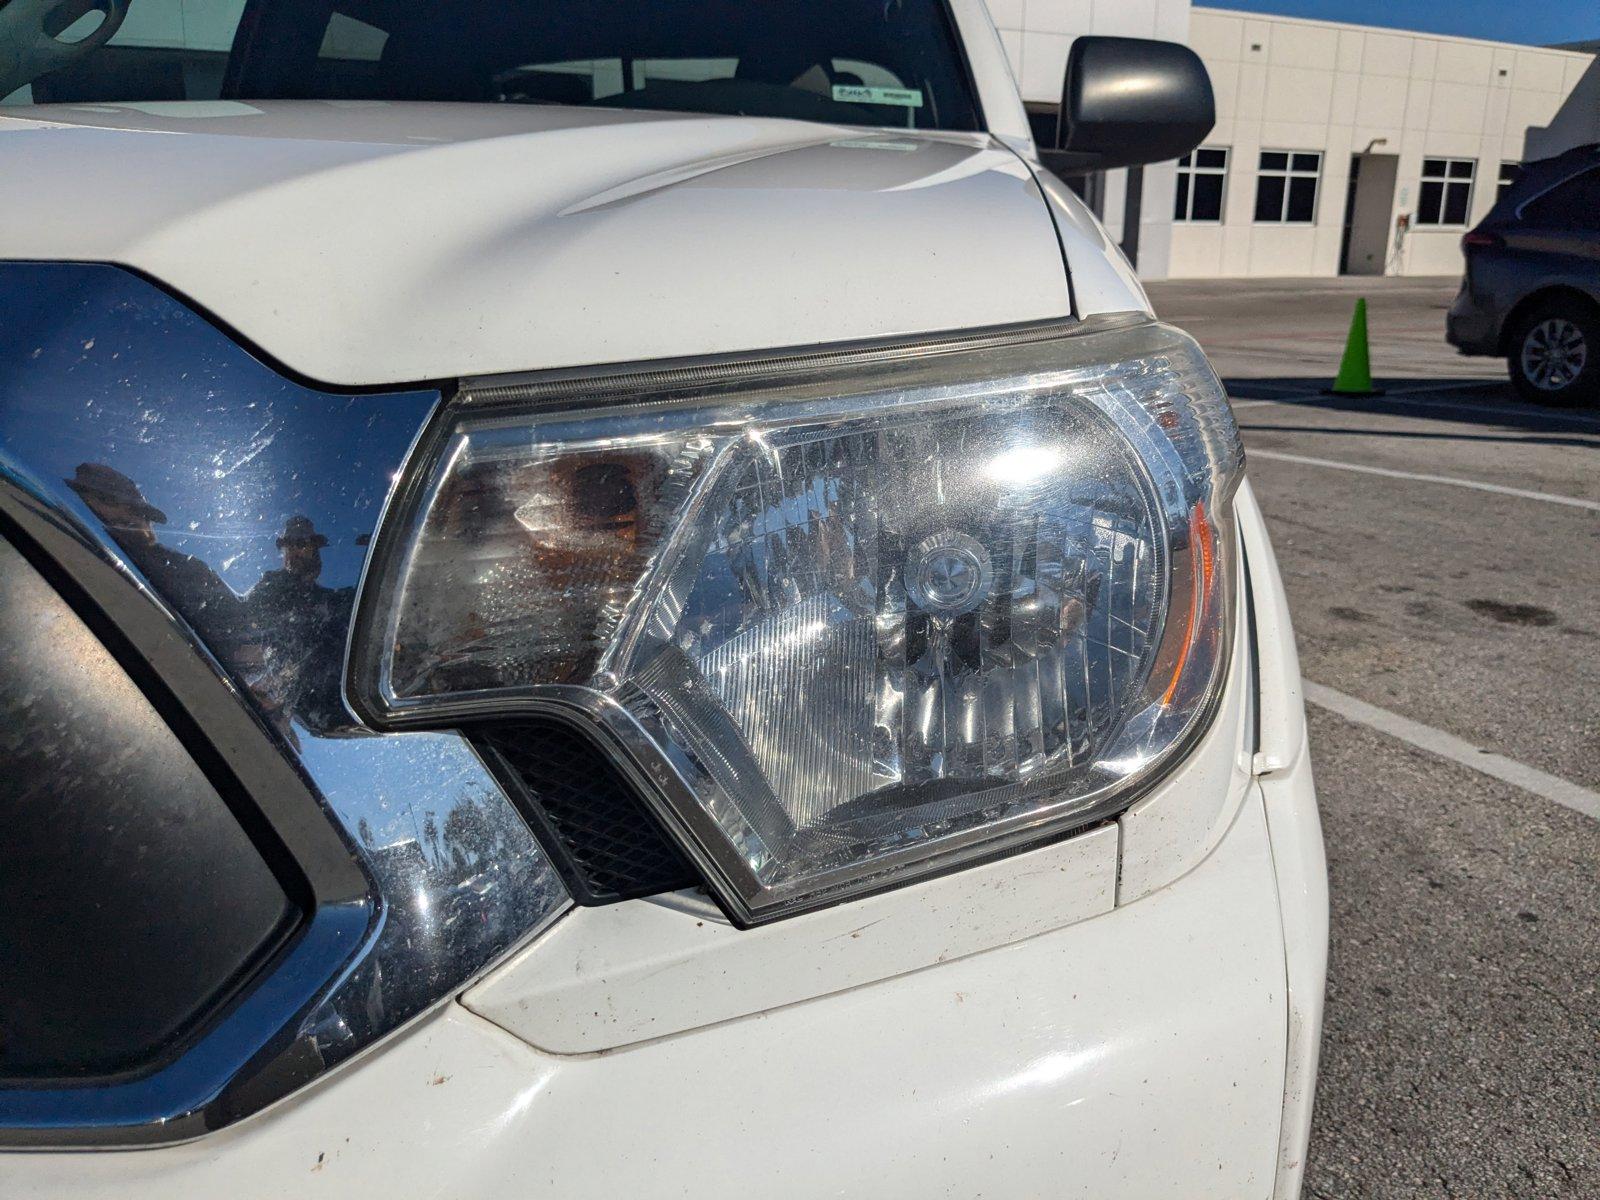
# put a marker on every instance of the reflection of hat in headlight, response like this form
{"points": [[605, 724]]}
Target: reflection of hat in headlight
{"points": [[96, 481], [299, 531]]}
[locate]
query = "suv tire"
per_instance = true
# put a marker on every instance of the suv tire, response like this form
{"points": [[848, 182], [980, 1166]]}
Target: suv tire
{"points": [[1555, 354]]}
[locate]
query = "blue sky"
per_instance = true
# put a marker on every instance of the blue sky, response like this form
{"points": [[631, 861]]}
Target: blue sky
{"points": [[1497, 20]]}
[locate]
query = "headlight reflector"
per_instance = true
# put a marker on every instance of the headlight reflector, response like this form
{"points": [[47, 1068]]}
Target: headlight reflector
{"points": [[845, 626]]}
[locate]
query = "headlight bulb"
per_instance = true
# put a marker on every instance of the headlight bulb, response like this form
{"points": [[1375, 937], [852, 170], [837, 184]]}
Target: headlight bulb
{"points": [[949, 573]]}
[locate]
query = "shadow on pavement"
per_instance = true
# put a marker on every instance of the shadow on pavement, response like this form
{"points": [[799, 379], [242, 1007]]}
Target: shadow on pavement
{"points": [[1462, 401], [1577, 441]]}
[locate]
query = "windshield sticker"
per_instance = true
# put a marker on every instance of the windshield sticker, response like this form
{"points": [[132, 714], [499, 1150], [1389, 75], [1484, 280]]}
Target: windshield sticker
{"points": [[856, 94]]}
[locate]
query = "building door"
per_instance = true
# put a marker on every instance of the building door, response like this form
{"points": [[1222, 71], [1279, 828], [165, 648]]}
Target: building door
{"points": [[1349, 213], [1368, 212]]}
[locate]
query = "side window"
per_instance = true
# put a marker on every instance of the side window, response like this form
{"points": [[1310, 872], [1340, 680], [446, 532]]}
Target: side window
{"points": [[1446, 194], [1575, 204], [1201, 177]]}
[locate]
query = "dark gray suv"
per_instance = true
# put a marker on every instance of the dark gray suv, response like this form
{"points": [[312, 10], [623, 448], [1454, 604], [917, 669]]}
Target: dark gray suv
{"points": [[1531, 293]]}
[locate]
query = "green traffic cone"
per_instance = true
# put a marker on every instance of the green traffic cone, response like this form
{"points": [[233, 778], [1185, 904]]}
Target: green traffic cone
{"points": [[1355, 368]]}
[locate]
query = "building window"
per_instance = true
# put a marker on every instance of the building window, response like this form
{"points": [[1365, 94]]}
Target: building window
{"points": [[1286, 187], [1446, 197], [1509, 174], [1201, 175]]}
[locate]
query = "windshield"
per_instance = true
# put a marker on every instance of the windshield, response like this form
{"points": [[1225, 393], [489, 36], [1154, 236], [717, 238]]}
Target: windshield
{"points": [[856, 62]]}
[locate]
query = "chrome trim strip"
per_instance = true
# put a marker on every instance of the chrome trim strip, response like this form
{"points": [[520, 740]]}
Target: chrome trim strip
{"points": [[166, 472], [143, 1110], [707, 374]]}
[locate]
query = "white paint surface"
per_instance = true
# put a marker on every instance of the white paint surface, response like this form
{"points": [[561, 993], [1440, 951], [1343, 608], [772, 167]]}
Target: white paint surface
{"points": [[392, 243], [1283, 714], [607, 977], [1139, 1054], [1301, 867]]}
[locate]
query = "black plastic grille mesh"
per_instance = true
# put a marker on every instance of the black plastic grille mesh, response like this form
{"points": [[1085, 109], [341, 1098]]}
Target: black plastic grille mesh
{"points": [[587, 815]]}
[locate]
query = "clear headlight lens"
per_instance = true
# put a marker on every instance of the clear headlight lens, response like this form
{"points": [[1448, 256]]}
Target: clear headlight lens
{"points": [[844, 626]]}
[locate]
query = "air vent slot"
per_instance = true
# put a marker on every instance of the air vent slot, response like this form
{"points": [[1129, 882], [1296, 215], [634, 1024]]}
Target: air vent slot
{"points": [[593, 824]]}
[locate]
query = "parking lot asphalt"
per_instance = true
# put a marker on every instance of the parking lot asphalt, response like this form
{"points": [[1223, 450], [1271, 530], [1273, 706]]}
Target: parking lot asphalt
{"points": [[1441, 550]]}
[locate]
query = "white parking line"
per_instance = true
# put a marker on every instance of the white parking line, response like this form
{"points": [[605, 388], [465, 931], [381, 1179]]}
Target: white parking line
{"points": [[1457, 750], [1521, 493]]}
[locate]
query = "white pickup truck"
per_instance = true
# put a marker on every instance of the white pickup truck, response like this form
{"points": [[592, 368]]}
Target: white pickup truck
{"points": [[611, 599]]}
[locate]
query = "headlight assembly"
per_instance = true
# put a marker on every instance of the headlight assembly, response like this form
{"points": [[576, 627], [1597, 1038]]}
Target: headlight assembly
{"points": [[846, 621]]}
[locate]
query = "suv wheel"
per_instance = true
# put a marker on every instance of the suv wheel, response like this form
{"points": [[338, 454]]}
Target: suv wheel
{"points": [[1555, 355]]}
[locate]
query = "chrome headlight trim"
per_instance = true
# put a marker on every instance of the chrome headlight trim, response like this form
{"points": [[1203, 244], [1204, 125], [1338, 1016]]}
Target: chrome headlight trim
{"points": [[226, 445]]}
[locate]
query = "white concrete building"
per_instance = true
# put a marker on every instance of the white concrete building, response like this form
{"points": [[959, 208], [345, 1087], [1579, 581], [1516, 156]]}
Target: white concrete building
{"points": [[1412, 132], [1338, 148]]}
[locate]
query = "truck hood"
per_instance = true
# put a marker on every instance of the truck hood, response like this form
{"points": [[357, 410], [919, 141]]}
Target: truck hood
{"points": [[363, 243]]}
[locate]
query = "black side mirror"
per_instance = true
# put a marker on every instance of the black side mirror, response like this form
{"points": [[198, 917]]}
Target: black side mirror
{"points": [[1127, 101]]}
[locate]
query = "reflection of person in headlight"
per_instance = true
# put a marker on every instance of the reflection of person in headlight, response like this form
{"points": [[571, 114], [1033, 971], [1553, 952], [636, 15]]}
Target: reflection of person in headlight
{"points": [[303, 625], [186, 582]]}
